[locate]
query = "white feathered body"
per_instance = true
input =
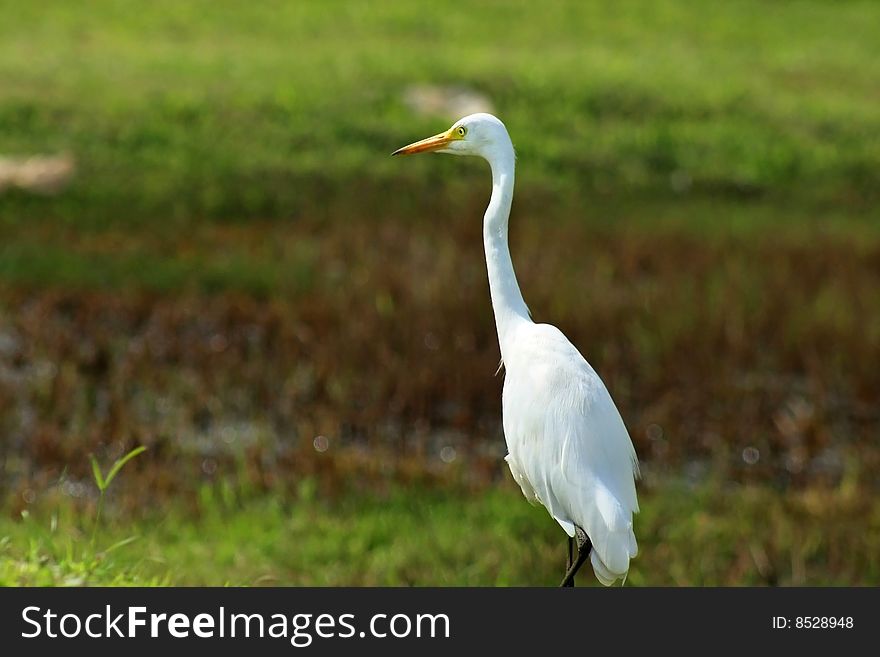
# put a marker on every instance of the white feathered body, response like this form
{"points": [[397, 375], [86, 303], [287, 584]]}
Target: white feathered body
{"points": [[568, 447]]}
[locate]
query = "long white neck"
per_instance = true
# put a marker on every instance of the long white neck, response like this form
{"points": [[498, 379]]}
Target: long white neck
{"points": [[507, 300]]}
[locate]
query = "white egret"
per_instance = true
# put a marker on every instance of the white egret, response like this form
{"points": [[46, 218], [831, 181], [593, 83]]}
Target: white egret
{"points": [[568, 447]]}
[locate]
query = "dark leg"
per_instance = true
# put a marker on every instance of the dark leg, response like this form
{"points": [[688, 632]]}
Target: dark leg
{"points": [[584, 547], [570, 562]]}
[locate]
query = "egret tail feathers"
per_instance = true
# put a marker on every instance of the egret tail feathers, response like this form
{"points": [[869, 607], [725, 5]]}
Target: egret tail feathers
{"points": [[610, 529]]}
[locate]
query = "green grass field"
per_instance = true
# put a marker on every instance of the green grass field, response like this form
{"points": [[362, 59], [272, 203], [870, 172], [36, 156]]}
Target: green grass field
{"points": [[238, 268], [704, 536], [182, 112]]}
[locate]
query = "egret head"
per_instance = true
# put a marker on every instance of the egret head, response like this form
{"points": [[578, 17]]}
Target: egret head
{"points": [[476, 134]]}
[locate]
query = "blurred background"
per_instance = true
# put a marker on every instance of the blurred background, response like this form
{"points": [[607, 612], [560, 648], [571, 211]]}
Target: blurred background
{"points": [[206, 250]]}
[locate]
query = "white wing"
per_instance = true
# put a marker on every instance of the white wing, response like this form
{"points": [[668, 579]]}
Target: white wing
{"points": [[568, 447]]}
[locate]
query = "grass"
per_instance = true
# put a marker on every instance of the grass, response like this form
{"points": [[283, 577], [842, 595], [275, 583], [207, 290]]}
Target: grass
{"points": [[182, 112], [709, 346], [692, 536]]}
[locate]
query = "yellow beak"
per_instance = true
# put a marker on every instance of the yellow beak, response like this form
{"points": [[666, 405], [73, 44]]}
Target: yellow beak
{"points": [[434, 143]]}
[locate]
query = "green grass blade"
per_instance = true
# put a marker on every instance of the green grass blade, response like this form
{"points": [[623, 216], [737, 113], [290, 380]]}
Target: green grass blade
{"points": [[96, 471], [119, 544], [121, 462]]}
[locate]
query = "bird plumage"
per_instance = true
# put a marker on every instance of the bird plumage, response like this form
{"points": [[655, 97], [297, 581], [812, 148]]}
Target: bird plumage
{"points": [[568, 448]]}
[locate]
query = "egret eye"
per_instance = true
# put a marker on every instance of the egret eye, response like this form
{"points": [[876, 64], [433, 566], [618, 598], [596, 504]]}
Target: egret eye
{"points": [[461, 131]]}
